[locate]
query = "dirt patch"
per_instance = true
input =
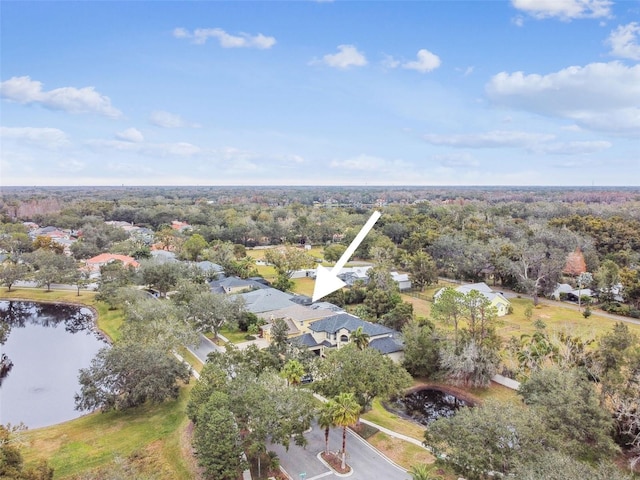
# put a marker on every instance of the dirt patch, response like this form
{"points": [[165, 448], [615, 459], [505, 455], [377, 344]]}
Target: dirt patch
{"points": [[188, 452]]}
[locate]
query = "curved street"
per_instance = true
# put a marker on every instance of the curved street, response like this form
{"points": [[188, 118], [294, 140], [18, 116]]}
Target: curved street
{"points": [[366, 462]]}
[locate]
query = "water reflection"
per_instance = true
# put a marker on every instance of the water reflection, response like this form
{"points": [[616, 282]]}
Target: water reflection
{"points": [[427, 405], [47, 344]]}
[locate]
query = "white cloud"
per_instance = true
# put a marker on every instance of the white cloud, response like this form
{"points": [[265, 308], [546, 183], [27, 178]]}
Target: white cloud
{"points": [[599, 96], [624, 41], [389, 62], [457, 160], [130, 135], [371, 165], [572, 148], [49, 138], [226, 40], [564, 9], [493, 139], [69, 99], [425, 62], [178, 149], [164, 119], [347, 56]]}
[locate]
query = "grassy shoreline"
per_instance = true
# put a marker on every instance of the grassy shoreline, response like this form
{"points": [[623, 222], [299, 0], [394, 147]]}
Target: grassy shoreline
{"points": [[150, 437]]}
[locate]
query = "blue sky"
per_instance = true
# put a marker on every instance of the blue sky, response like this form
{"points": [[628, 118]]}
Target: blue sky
{"points": [[520, 92]]}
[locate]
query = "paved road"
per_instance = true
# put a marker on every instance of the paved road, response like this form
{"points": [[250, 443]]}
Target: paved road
{"points": [[365, 461]]}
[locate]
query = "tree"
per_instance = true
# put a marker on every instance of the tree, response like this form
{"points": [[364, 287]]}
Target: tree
{"points": [[114, 276], [607, 278], [448, 308], [279, 335], [128, 375], [208, 311], [583, 280], [401, 315], [50, 267], [217, 442], [538, 265], [150, 322], [80, 278], [421, 349], [359, 338], [422, 270], [333, 252], [492, 437], [11, 272], [292, 371], [381, 292], [11, 461], [365, 373], [164, 276], [325, 421], [480, 316], [567, 404], [287, 260], [473, 364], [345, 411], [193, 247], [560, 466]]}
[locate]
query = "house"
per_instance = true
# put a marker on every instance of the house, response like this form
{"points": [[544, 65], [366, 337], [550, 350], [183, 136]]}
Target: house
{"points": [[210, 269], [93, 264], [298, 318], [163, 256], [497, 299], [402, 280], [335, 331], [572, 294], [235, 285], [351, 275], [266, 300]]}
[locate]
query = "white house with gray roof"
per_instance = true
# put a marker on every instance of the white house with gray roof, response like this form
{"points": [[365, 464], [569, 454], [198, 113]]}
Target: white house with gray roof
{"points": [[335, 332]]}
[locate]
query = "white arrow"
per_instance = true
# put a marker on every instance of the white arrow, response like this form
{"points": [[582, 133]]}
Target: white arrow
{"points": [[327, 281]]}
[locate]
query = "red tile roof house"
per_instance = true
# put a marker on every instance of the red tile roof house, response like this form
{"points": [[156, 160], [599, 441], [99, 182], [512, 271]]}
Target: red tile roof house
{"points": [[94, 264]]}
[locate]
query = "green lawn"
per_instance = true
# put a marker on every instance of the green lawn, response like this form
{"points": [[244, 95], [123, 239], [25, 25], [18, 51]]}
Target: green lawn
{"points": [[152, 437]]}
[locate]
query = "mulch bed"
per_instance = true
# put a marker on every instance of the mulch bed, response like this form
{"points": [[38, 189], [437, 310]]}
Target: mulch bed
{"points": [[335, 462]]}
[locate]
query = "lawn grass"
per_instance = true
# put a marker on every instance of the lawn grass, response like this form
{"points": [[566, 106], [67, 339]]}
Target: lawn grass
{"points": [[383, 417], [304, 286], [400, 451], [557, 318], [149, 435], [234, 336]]}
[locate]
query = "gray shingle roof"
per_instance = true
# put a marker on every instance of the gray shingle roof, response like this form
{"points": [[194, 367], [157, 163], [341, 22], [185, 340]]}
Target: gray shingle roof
{"points": [[266, 300], [386, 345], [349, 322]]}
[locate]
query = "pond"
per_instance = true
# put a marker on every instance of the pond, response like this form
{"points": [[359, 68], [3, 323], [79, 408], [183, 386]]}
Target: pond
{"points": [[427, 405], [47, 344]]}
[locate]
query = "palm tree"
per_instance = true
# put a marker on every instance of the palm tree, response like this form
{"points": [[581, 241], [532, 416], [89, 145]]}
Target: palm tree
{"points": [[325, 420], [420, 472], [359, 338], [293, 371], [346, 411]]}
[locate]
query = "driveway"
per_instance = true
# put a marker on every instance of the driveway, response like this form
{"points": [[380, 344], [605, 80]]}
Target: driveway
{"points": [[365, 461], [203, 348]]}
